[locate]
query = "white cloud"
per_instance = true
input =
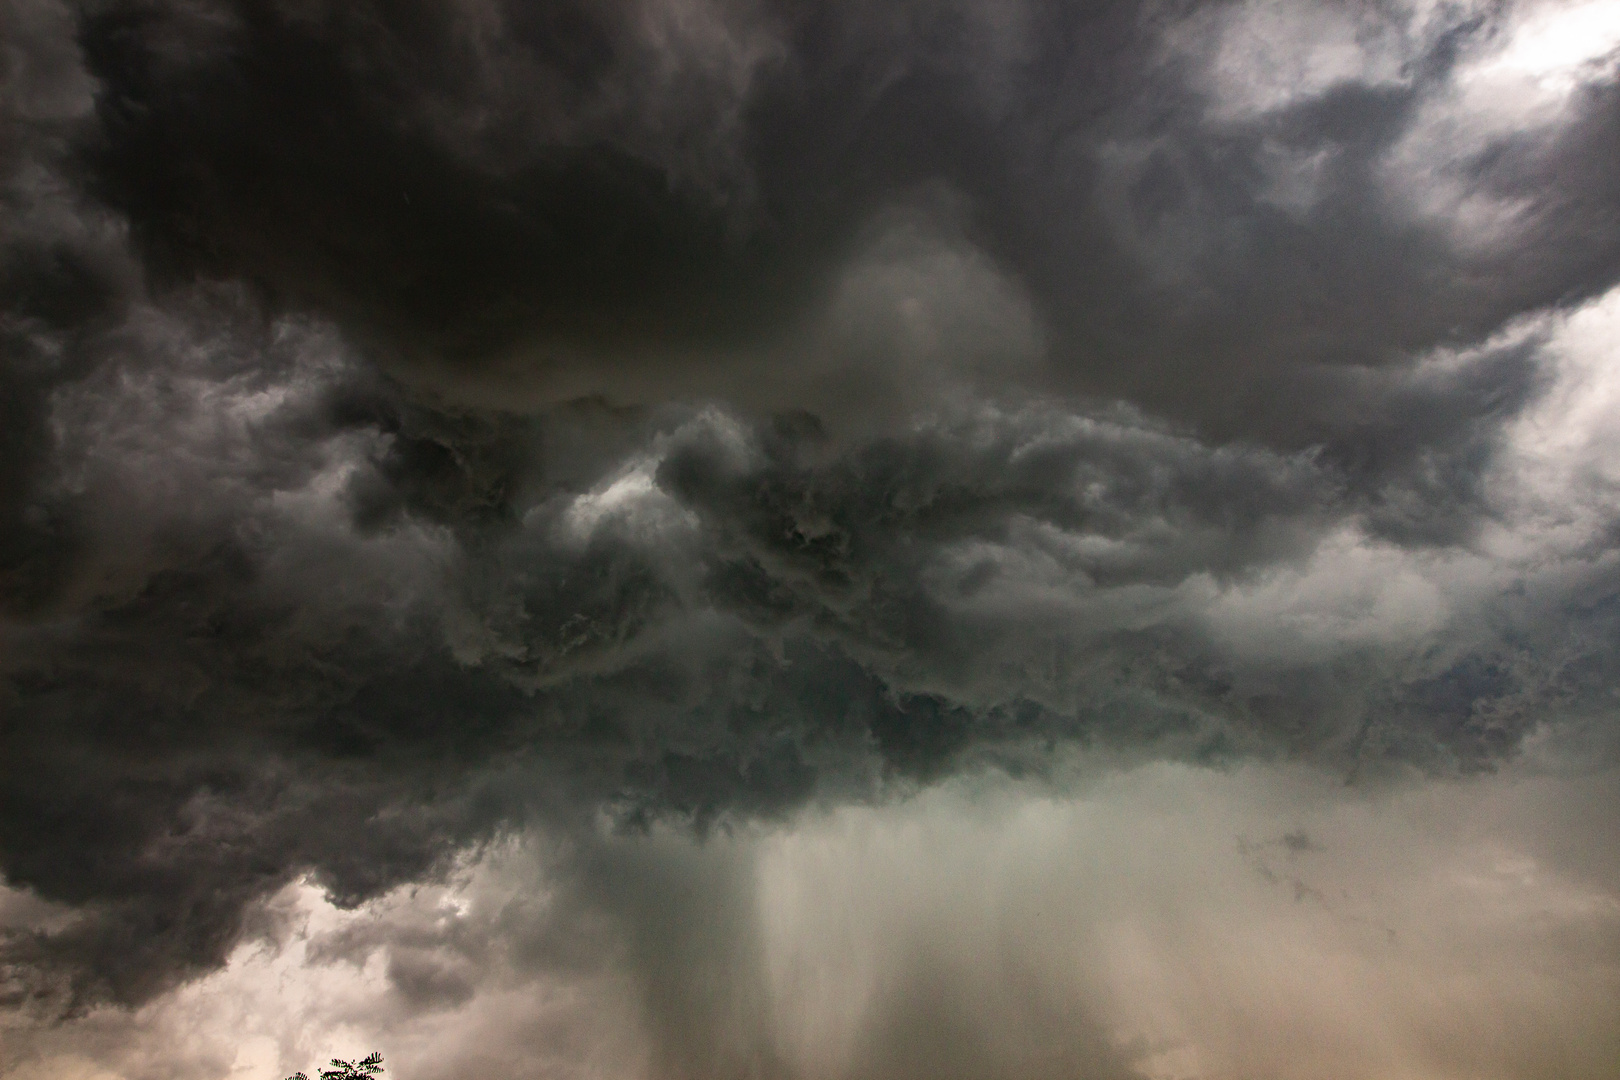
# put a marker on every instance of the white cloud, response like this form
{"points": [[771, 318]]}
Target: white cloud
{"points": [[1352, 592], [1518, 78]]}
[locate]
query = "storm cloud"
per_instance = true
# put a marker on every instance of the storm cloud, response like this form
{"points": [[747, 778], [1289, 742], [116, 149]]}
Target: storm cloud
{"points": [[434, 433]]}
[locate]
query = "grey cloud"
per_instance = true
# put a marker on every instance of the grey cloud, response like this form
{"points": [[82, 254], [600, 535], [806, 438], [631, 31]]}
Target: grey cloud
{"points": [[427, 418], [593, 247], [591, 250], [240, 718]]}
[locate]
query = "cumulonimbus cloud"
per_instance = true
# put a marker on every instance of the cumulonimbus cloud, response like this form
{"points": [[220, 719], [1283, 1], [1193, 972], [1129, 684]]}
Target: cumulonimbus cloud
{"points": [[418, 419]]}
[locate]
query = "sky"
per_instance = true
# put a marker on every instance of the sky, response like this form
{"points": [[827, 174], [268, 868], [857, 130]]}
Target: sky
{"points": [[771, 540]]}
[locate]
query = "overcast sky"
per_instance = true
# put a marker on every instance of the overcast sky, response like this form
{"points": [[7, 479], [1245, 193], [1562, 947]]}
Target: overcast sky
{"points": [[845, 540]]}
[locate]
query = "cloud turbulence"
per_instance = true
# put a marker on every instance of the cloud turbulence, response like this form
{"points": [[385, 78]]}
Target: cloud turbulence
{"points": [[602, 457]]}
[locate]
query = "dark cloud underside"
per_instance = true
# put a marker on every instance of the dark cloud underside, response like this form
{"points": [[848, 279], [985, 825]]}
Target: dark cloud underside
{"points": [[421, 419]]}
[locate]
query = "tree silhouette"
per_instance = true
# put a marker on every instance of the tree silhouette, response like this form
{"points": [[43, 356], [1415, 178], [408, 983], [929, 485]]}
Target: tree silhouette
{"points": [[364, 1069]]}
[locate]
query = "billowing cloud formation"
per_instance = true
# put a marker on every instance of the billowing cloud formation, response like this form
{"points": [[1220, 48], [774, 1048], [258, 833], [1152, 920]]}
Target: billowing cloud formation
{"points": [[422, 423]]}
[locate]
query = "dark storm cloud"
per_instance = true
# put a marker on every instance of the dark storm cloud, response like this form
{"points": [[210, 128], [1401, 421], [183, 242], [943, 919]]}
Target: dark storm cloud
{"points": [[63, 272], [419, 418], [605, 198], [485, 187]]}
